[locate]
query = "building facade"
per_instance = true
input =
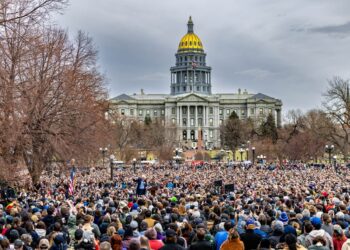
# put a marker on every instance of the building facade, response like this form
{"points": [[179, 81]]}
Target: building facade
{"points": [[191, 106]]}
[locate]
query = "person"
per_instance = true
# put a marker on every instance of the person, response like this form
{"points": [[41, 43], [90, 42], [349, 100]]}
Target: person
{"points": [[264, 245], [233, 241], [105, 246], [338, 237], [44, 244], [141, 185], [116, 242], [170, 241], [148, 219], [250, 239], [291, 243], [317, 231], [222, 235], [318, 243], [154, 243], [144, 244], [201, 243]]}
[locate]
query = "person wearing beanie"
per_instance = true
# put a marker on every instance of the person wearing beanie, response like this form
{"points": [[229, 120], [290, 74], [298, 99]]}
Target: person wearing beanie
{"points": [[317, 231], [284, 218], [250, 239]]}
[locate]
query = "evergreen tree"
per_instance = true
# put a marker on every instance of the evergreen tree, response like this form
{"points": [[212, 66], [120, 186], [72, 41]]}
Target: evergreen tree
{"points": [[148, 120], [231, 132], [268, 128]]}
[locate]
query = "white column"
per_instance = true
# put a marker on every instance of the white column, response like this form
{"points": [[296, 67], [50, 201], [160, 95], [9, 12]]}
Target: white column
{"points": [[195, 117], [188, 123], [180, 116]]}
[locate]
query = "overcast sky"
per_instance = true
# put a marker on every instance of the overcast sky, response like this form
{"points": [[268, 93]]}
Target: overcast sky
{"points": [[286, 49]]}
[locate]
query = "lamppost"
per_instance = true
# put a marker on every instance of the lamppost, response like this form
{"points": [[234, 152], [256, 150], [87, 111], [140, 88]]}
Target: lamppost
{"points": [[134, 164], [103, 152], [329, 149], [241, 150], [111, 164], [253, 151], [335, 161]]}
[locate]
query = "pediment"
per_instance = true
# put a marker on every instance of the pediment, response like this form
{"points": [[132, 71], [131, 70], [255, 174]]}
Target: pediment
{"points": [[192, 98]]}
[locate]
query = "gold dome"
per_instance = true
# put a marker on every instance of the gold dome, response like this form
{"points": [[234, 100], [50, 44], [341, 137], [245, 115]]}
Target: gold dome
{"points": [[190, 42]]}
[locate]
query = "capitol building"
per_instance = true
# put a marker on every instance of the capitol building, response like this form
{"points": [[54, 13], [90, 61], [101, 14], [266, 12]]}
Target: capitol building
{"points": [[191, 106]]}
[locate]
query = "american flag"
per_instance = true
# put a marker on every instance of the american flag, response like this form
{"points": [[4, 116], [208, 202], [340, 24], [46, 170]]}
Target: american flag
{"points": [[71, 181], [194, 65]]}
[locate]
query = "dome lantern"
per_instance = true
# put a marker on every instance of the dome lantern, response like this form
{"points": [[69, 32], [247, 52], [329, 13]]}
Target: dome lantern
{"points": [[190, 25]]}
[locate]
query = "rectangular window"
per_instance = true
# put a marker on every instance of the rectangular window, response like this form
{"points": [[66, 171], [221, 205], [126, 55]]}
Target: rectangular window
{"points": [[227, 112], [131, 111], [184, 122], [147, 112], [173, 111], [221, 122], [200, 110], [163, 111], [173, 121], [211, 111], [155, 112], [184, 88], [200, 122], [221, 111], [211, 133], [192, 122], [123, 112], [192, 110], [242, 111], [270, 111], [211, 123], [140, 112], [197, 88], [184, 110], [252, 111], [261, 111]]}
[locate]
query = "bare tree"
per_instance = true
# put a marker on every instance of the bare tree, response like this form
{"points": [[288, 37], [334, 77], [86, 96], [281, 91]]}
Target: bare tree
{"points": [[14, 10], [51, 96], [337, 107]]}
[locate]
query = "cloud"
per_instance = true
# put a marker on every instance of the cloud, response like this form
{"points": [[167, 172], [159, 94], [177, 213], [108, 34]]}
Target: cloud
{"points": [[333, 29], [256, 73]]}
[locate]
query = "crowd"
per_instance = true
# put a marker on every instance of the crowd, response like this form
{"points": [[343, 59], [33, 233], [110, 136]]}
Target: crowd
{"points": [[163, 207]]}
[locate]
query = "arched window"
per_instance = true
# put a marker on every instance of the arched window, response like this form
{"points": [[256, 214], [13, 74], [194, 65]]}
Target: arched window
{"points": [[192, 135], [184, 134]]}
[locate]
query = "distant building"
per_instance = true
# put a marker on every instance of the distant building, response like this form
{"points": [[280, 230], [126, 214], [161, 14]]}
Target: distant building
{"points": [[191, 106]]}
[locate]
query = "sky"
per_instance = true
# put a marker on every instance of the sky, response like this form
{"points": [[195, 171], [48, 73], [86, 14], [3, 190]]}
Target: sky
{"points": [[287, 49]]}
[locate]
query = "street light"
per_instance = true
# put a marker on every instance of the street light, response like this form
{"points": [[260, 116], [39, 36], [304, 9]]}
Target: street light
{"points": [[103, 152], [253, 151], [241, 150], [111, 164], [329, 149], [134, 164]]}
